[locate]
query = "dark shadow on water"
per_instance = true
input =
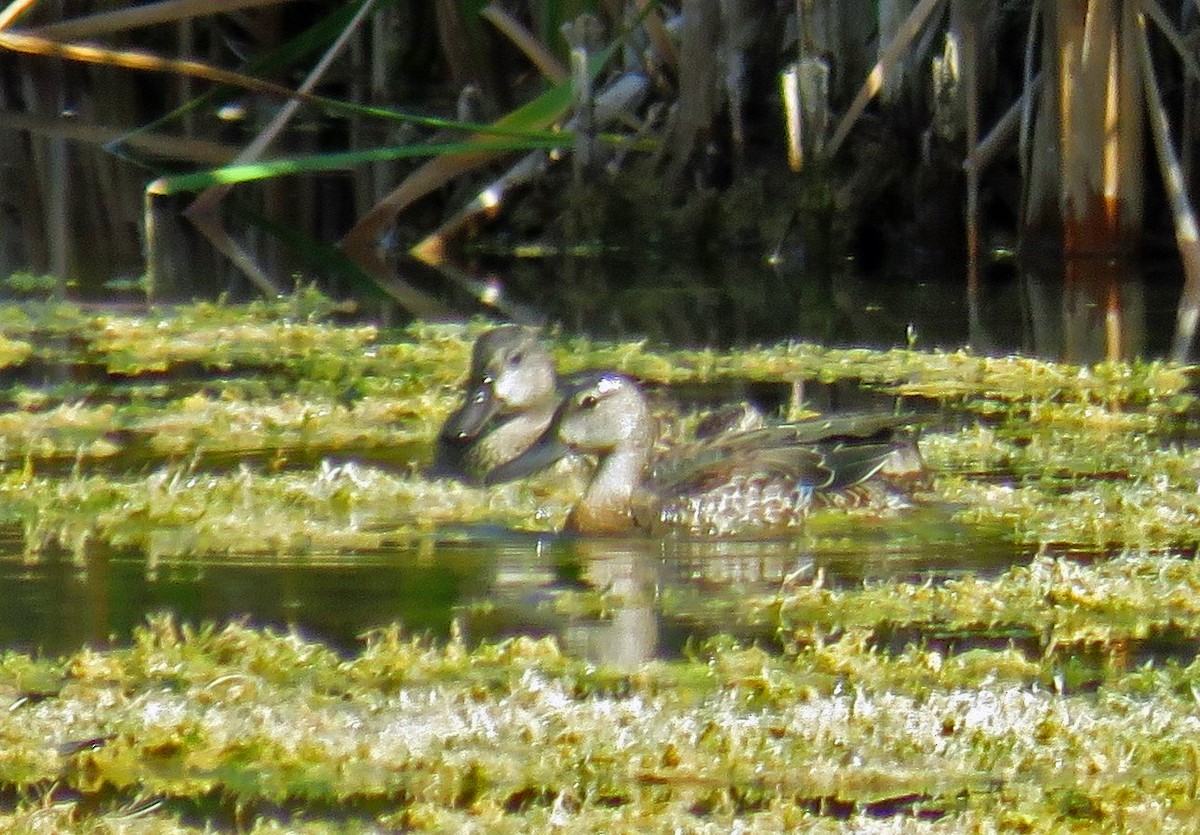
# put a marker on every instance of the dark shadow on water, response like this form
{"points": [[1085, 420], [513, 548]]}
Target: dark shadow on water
{"points": [[1080, 310]]}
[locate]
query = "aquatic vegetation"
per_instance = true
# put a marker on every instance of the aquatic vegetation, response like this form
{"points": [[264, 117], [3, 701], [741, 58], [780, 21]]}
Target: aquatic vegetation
{"points": [[233, 724], [1054, 603], [140, 346], [176, 511], [1031, 696], [1056, 454], [13, 351], [937, 375]]}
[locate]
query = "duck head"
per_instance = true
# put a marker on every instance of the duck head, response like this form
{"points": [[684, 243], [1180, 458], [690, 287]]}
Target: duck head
{"points": [[602, 413], [510, 372]]}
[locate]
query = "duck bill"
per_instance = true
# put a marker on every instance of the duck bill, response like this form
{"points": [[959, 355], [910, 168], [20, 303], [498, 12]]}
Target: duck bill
{"points": [[545, 451], [469, 422]]}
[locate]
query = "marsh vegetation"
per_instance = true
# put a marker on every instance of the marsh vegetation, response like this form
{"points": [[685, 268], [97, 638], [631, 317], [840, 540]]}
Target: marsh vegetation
{"points": [[1018, 652], [852, 677]]}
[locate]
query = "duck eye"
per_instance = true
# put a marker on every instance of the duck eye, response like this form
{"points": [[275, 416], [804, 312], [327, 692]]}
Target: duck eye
{"points": [[588, 401]]}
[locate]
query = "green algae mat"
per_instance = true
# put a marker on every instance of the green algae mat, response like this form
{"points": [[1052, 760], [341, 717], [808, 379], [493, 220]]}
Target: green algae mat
{"points": [[1059, 693]]}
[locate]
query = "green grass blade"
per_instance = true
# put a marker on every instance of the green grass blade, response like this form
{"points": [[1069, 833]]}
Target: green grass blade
{"points": [[249, 172]]}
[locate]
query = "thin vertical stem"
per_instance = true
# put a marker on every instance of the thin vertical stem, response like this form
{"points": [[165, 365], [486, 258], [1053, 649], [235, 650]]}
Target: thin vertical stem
{"points": [[1186, 236], [870, 88]]}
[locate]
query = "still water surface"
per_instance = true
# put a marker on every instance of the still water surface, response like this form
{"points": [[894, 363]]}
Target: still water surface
{"points": [[614, 601]]}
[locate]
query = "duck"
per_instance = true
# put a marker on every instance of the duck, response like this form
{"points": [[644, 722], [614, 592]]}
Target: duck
{"points": [[509, 398], [760, 482]]}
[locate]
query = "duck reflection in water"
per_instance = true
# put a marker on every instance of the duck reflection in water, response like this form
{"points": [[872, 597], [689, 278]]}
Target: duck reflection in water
{"points": [[621, 622]]}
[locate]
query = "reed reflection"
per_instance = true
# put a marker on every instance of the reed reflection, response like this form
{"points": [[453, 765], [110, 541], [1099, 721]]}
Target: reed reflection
{"points": [[1088, 310]]}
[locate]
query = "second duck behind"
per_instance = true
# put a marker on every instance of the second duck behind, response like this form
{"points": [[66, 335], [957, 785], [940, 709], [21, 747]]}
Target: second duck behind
{"points": [[509, 398]]}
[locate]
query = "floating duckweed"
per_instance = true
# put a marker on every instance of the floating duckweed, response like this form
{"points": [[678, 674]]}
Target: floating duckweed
{"points": [[13, 351]]}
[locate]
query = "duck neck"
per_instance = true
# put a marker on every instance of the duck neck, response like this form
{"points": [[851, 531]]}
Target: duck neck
{"points": [[618, 476]]}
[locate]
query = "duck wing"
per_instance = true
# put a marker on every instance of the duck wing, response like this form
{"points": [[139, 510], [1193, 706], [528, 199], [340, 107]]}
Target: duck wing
{"points": [[828, 467], [854, 463], [851, 428], [827, 452]]}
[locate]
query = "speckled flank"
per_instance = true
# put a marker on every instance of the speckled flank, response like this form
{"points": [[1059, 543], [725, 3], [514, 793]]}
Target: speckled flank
{"points": [[762, 504], [740, 503]]}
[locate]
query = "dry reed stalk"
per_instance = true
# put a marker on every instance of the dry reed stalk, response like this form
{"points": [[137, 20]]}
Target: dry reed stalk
{"points": [[1028, 92], [133, 17], [1084, 184], [739, 22], [660, 38], [360, 243], [533, 49], [1125, 152], [1187, 237], [890, 17], [582, 36], [186, 34], [134, 59], [1097, 194], [965, 26], [1007, 126], [789, 89], [205, 212], [1185, 50], [696, 104], [200, 151], [1040, 154], [463, 57], [59, 177], [874, 81], [805, 84], [14, 10], [1162, 22], [624, 95]]}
